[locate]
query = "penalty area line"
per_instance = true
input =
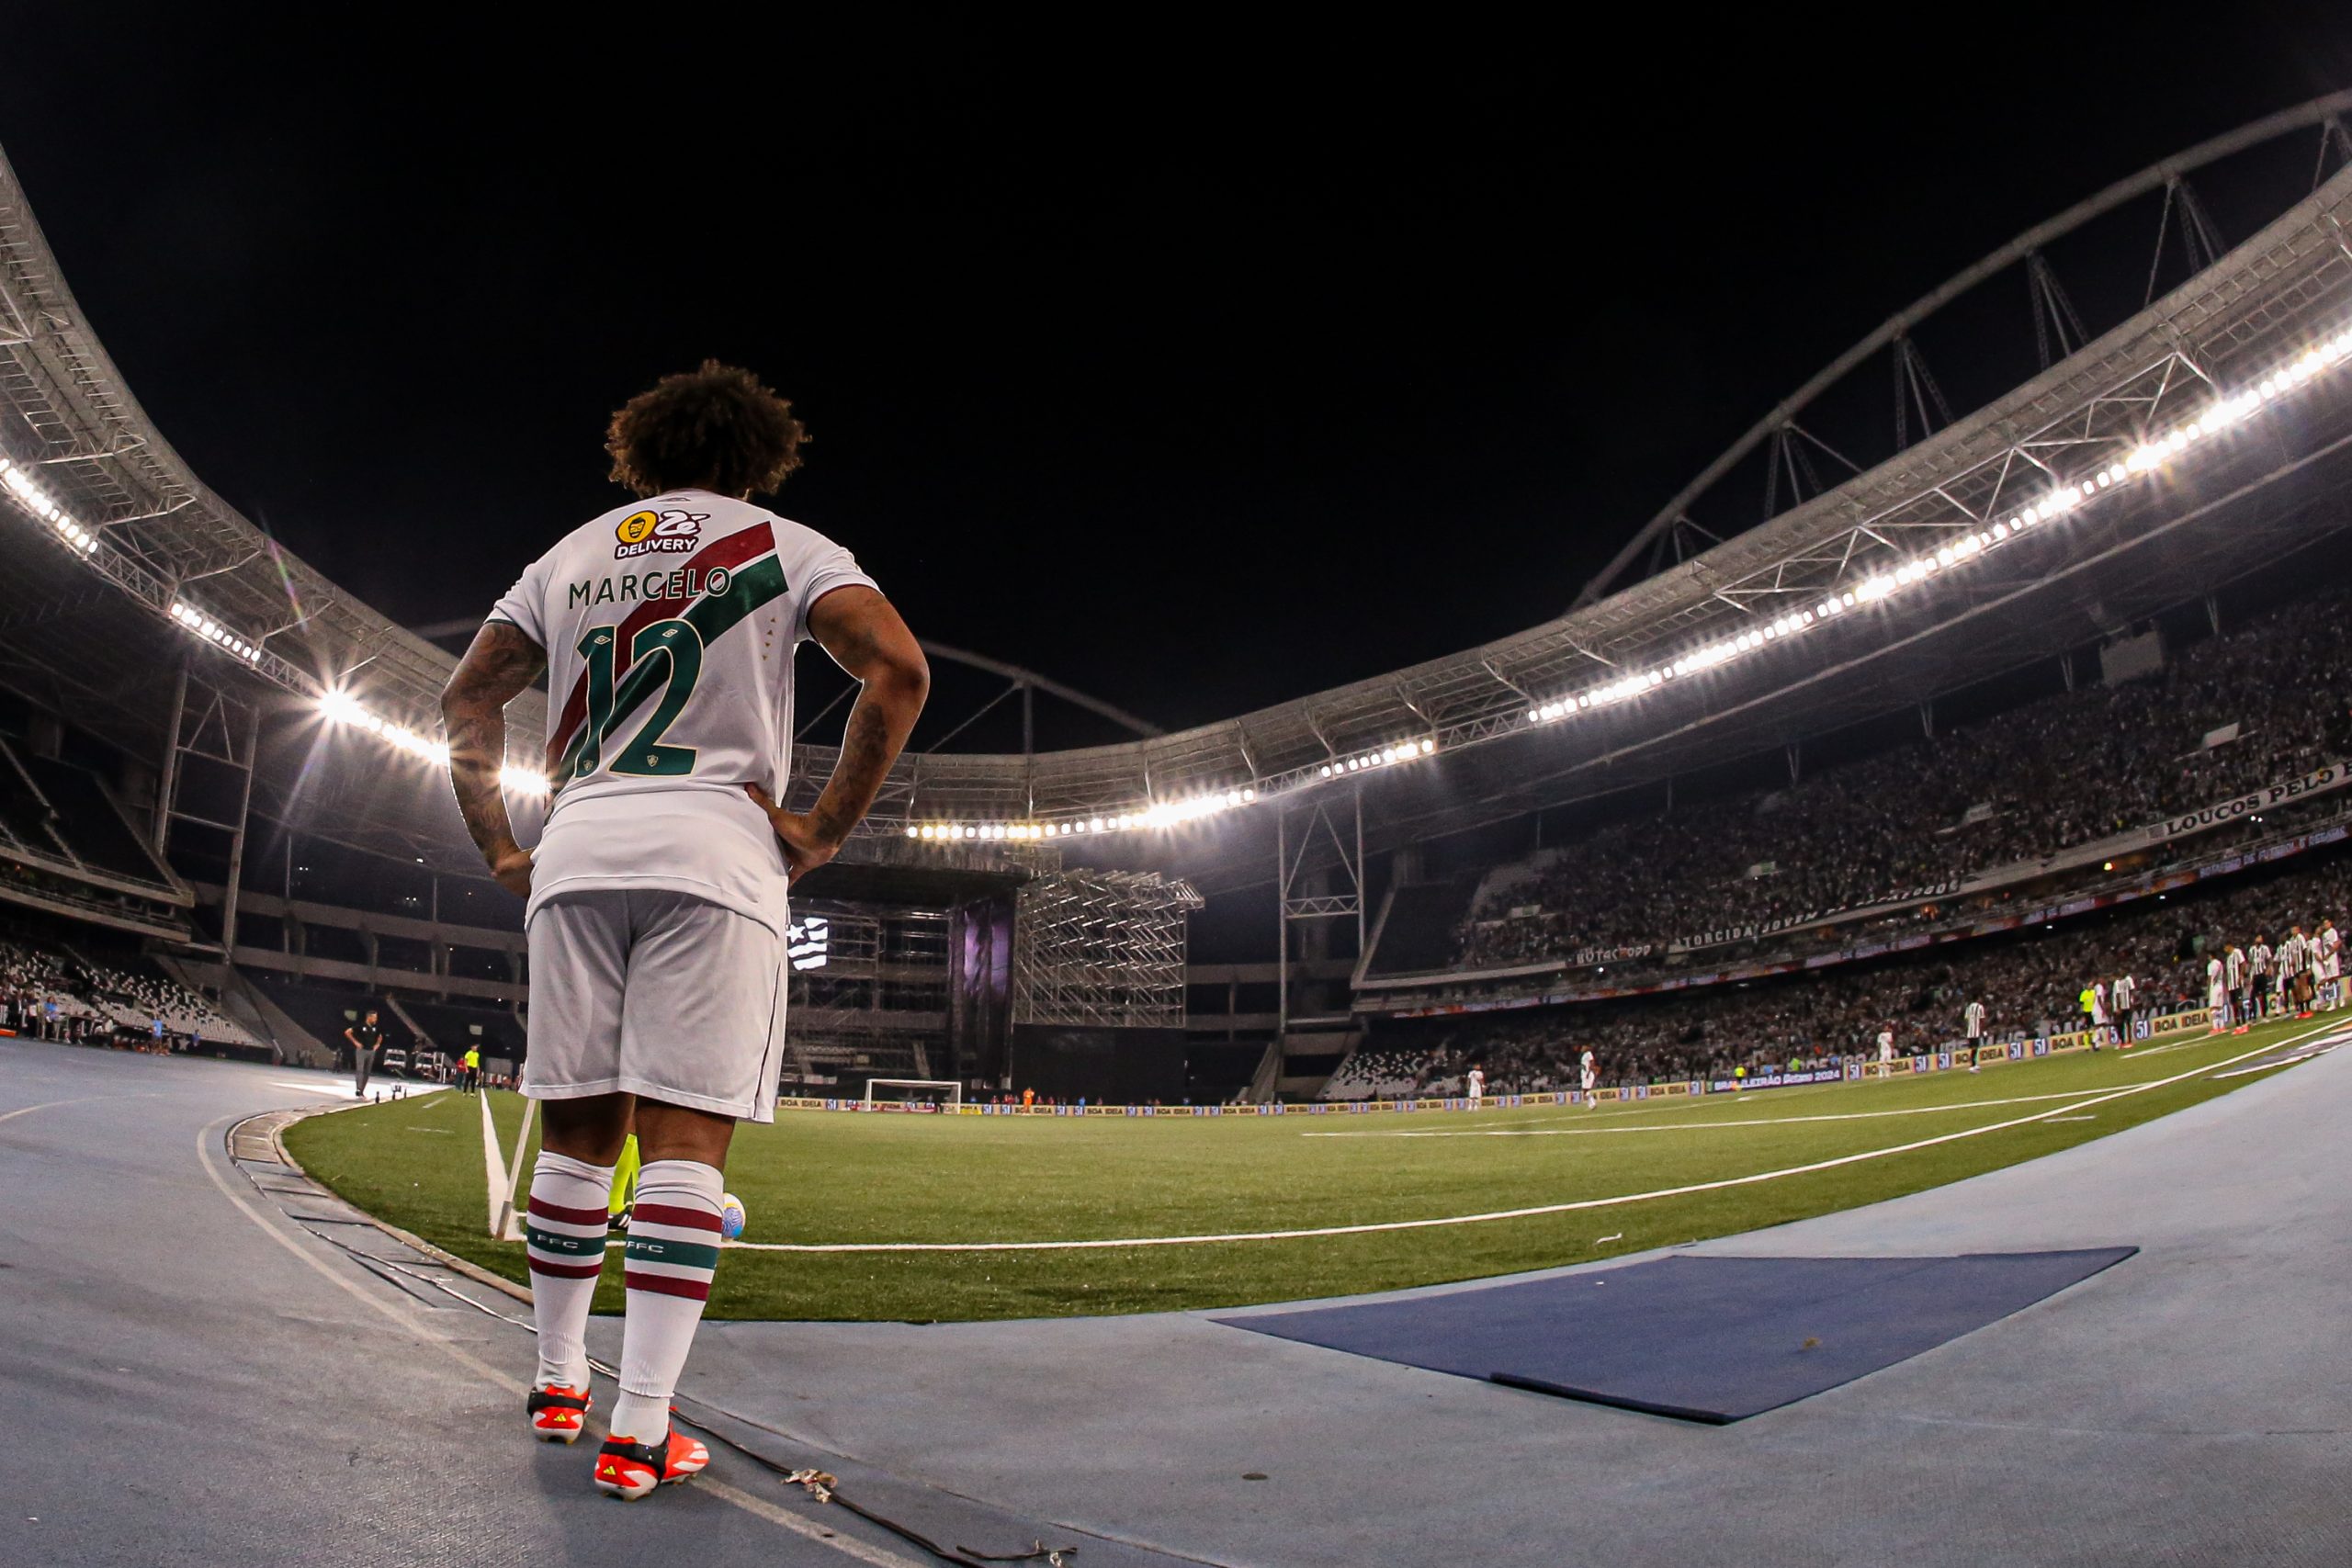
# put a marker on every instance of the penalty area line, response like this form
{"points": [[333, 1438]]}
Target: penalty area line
{"points": [[1530, 1213]]}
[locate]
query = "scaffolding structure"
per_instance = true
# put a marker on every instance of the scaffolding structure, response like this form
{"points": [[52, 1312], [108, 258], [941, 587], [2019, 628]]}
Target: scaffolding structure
{"points": [[1103, 949]]}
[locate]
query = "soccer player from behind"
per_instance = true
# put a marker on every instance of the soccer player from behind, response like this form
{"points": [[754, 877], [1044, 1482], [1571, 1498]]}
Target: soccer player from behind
{"points": [[2216, 995], [1588, 1075], [1476, 1085], [2239, 975], [656, 913], [2124, 999], [1972, 1024], [2258, 976]]}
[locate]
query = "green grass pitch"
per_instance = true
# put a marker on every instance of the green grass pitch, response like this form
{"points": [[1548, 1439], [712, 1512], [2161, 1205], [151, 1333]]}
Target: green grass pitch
{"points": [[831, 1177]]}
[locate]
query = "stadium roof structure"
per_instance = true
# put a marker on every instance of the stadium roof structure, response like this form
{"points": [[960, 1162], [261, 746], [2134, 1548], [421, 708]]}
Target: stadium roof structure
{"points": [[2142, 466]]}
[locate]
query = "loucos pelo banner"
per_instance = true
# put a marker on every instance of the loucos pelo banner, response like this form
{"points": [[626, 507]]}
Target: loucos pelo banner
{"points": [[2270, 796]]}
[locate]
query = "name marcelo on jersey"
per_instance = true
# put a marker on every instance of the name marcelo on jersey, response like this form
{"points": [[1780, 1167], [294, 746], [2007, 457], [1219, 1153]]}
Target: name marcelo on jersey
{"points": [[627, 588]]}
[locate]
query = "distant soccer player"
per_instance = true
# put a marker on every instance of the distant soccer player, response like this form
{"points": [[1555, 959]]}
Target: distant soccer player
{"points": [[2257, 977], [1886, 1051], [1476, 1085], [1589, 1074], [2239, 974], [1972, 1026], [2327, 963], [2295, 973], [2217, 1001], [2123, 999], [656, 920]]}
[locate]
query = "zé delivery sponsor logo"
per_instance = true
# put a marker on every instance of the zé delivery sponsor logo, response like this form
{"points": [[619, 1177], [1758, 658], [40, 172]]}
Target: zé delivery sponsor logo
{"points": [[648, 532]]}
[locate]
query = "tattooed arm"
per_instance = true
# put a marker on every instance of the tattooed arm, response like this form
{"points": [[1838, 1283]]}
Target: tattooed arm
{"points": [[865, 636], [502, 661]]}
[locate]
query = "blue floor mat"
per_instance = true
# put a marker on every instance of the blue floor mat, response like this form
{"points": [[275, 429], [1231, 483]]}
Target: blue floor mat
{"points": [[1703, 1338]]}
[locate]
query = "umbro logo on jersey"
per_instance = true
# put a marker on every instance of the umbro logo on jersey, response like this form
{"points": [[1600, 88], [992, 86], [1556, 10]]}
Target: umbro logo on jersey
{"points": [[648, 532]]}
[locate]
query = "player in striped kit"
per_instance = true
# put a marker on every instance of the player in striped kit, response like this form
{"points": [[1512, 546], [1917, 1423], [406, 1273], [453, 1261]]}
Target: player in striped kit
{"points": [[2295, 973], [2258, 960], [657, 908], [2239, 975], [2123, 1000], [1972, 1027]]}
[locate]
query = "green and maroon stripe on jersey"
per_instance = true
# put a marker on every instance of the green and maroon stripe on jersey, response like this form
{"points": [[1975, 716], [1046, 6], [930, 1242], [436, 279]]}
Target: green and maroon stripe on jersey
{"points": [[749, 586]]}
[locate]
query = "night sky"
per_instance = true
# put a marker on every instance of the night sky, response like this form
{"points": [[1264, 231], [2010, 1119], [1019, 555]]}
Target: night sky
{"points": [[1197, 366]]}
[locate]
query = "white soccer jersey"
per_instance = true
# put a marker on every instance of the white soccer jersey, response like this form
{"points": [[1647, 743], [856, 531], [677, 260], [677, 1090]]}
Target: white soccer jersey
{"points": [[2257, 959], [2236, 969], [1886, 1045], [1477, 1083], [2213, 988], [2330, 947], [2125, 991], [670, 626], [1971, 1019], [2293, 954]]}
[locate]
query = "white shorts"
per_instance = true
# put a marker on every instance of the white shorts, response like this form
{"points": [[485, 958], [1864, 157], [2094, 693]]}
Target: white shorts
{"points": [[658, 993]]}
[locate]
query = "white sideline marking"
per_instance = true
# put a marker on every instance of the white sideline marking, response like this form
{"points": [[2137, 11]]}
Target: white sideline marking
{"points": [[1530, 1213], [492, 1164], [1707, 1126]]}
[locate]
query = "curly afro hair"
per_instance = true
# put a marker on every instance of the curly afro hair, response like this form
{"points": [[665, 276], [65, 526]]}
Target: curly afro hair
{"points": [[715, 428]]}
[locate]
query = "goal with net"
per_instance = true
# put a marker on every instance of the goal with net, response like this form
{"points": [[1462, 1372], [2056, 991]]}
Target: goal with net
{"points": [[912, 1094]]}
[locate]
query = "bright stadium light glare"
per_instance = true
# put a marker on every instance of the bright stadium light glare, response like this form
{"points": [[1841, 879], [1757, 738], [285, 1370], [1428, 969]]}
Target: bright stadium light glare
{"points": [[339, 707], [2156, 454], [37, 501]]}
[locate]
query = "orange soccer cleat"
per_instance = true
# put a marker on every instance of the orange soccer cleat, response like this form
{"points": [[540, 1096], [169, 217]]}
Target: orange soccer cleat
{"points": [[557, 1413], [630, 1470]]}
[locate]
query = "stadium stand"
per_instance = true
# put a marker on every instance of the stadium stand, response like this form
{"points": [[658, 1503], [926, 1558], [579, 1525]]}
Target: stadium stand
{"points": [[24, 817], [325, 1010], [133, 1001], [2230, 714], [117, 1000], [2030, 984], [86, 818]]}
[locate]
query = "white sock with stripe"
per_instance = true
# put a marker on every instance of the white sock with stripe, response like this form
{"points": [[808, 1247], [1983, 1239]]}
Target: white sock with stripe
{"points": [[565, 1228], [673, 1253]]}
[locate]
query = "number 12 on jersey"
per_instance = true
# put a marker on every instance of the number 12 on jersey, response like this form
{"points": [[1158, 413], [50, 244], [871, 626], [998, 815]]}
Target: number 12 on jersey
{"points": [[666, 651]]}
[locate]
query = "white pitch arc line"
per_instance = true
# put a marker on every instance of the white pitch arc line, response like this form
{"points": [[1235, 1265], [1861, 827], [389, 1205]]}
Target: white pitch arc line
{"points": [[1705, 1126], [1531, 1213], [2282, 1062]]}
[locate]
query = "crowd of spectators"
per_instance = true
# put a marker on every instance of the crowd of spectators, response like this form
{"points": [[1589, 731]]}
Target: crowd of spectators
{"points": [[2021, 786], [52, 996], [2029, 986]]}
